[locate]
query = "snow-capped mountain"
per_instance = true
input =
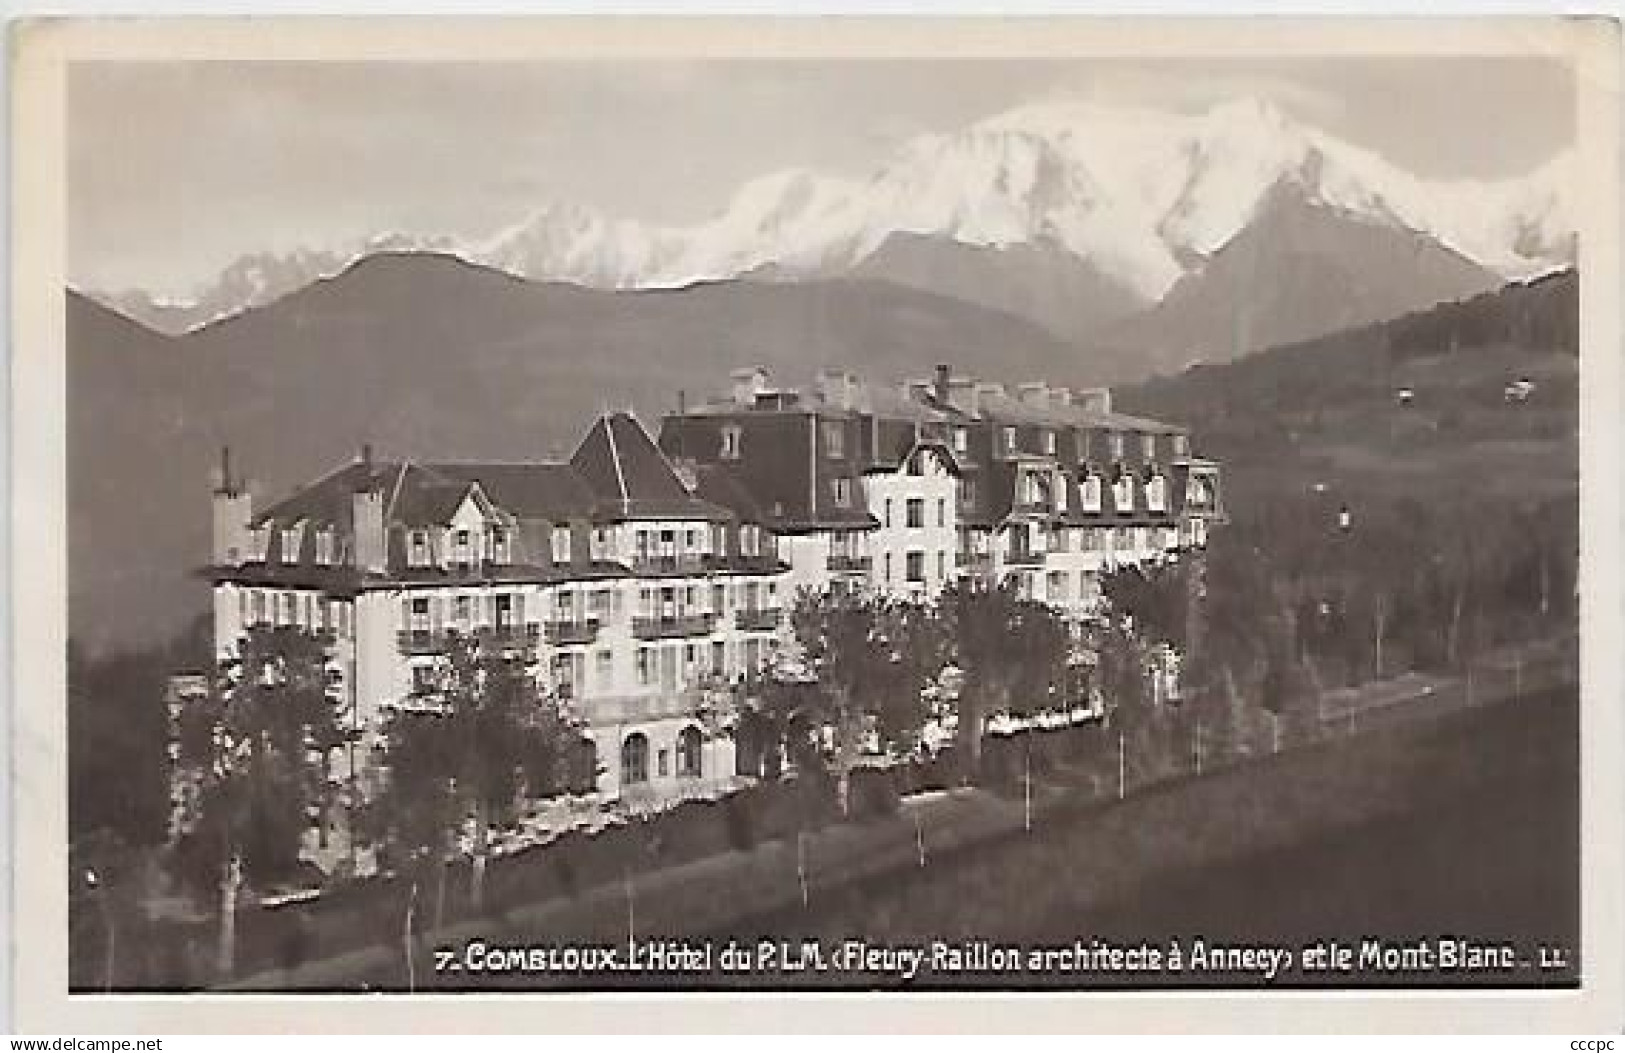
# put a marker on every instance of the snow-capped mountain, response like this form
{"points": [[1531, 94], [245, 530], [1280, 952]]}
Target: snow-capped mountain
{"points": [[1126, 201]]}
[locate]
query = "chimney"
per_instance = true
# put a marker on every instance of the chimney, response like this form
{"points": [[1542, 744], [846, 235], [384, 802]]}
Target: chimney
{"points": [[367, 521], [941, 383], [682, 402], [233, 514], [1034, 393], [747, 384], [835, 387]]}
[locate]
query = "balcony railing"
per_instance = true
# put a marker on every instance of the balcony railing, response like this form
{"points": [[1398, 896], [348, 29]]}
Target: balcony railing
{"points": [[673, 625], [615, 709], [689, 563], [848, 564], [501, 637], [572, 631], [762, 619]]}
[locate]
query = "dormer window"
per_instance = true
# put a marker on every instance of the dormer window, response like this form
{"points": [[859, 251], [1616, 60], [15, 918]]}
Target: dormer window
{"points": [[324, 546], [731, 437], [750, 540], [1115, 441], [1197, 491], [1181, 445], [418, 548], [461, 550], [1156, 496], [961, 440], [290, 544], [1089, 492], [843, 492], [1010, 440], [499, 545], [1049, 443], [561, 544], [834, 439], [1148, 447], [1123, 493]]}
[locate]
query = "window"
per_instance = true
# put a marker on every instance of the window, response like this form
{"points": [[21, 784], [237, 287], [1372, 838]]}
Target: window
{"points": [[460, 547], [664, 758], [419, 548], [561, 544], [1010, 440], [290, 545], [1156, 497], [1114, 441], [463, 609], [1049, 443], [1080, 441], [646, 666], [499, 545], [730, 442], [843, 492], [599, 602], [942, 565], [1181, 445], [967, 493], [916, 512], [916, 566], [834, 439], [750, 540], [691, 540], [425, 679], [324, 546], [634, 759], [888, 569], [719, 599], [719, 658], [961, 440], [420, 612], [688, 752], [603, 668], [504, 611], [1123, 493], [887, 517], [1148, 447], [1089, 493]]}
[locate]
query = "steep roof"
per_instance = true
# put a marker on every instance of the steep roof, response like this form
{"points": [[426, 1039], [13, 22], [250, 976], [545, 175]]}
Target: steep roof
{"points": [[629, 476]]}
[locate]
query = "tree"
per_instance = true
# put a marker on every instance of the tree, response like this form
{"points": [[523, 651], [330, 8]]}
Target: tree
{"points": [[117, 736], [259, 745], [1014, 653], [485, 739], [871, 657]]}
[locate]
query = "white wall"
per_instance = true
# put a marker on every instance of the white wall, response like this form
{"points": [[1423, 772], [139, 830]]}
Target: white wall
{"points": [[937, 538]]}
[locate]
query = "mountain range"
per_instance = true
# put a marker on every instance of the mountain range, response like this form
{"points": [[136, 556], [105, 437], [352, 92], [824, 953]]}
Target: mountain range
{"points": [[1102, 224]]}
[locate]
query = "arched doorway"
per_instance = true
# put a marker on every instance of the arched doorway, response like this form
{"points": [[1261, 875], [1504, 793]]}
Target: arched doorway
{"points": [[635, 759], [689, 760]]}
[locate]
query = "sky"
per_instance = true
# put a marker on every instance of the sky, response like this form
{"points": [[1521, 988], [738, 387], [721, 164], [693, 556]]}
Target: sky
{"points": [[177, 168]]}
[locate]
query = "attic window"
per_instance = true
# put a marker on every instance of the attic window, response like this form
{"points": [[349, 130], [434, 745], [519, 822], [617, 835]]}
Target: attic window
{"points": [[1010, 439], [730, 442], [290, 545], [834, 439], [324, 546], [419, 555], [843, 492], [1049, 443], [961, 440], [1089, 493], [1156, 498], [1182, 445], [1115, 442], [750, 540], [561, 544], [1148, 447]]}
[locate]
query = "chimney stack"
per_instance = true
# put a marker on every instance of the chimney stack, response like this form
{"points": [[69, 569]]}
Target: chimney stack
{"points": [[940, 385]]}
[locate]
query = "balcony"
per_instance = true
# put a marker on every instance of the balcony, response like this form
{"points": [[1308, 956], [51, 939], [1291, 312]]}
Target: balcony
{"points": [[673, 626], [493, 637], [848, 564], [572, 631], [1024, 558], [762, 619], [621, 709], [509, 637], [688, 563]]}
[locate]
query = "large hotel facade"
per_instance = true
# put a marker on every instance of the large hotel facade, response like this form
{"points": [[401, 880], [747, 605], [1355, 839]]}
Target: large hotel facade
{"points": [[641, 577]]}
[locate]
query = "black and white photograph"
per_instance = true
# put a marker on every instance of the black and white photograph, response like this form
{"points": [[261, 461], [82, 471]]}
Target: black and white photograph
{"points": [[762, 523]]}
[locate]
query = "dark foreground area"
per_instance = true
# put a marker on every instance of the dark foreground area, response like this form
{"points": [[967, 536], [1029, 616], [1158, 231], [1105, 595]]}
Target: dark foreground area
{"points": [[1440, 850]]}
